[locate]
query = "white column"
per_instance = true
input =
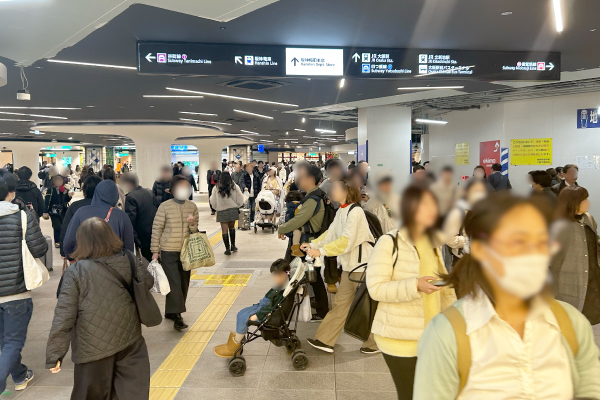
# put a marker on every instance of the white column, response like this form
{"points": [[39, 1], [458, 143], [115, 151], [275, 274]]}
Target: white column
{"points": [[151, 155], [25, 154], [425, 149], [205, 164], [388, 129]]}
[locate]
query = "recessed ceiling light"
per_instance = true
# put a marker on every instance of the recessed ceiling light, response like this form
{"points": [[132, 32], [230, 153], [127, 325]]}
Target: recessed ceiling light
{"points": [[593, 30], [303, 120], [166, 96], [92, 64], [70, 138], [39, 108], [151, 106], [430, 87], [558, 15], [299, 130], [32, 115], [506, 13], [430, 121], [90, 106], [205, 122], [250, 132], [251, 113], [342, 82], [198, 113], [325, 130], [222, 28], [232, 97]]}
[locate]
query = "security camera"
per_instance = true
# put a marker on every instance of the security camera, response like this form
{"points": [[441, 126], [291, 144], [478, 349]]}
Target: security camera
{"points": [[23, 94]]}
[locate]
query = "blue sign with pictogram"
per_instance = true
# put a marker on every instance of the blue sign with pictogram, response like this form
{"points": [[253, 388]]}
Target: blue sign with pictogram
{"points": [[588, 118]]}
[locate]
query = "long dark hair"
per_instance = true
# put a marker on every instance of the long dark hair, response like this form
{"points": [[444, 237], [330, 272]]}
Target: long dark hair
{"points": [[467, 275], [225, 184], [411, 198]]}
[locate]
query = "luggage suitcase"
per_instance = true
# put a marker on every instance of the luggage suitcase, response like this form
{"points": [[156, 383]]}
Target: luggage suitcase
{"points": [[46, 259], [244, 219]]}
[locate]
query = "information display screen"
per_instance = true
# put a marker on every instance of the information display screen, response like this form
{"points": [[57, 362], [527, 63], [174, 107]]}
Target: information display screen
{"points": [[371, 63]]}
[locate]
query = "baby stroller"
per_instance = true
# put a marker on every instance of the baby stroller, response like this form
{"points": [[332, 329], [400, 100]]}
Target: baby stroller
{"points": [[266, 216], [276, 326]]}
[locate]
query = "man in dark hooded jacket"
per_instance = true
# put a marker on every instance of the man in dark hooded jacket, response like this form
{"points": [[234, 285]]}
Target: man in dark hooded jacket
{"points": [[28, 192], [103, 206]]}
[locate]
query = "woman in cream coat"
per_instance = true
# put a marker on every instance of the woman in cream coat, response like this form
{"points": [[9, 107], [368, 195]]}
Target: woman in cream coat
{"points": [[398, 276]]}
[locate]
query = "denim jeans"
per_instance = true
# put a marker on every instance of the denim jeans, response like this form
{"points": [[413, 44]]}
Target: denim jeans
{"points": [[14, 319], [244, 314], [252, 205]]}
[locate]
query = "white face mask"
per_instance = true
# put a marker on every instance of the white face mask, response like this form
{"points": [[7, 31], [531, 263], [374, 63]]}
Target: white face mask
{"points": [[524, 276], [182, 194]]}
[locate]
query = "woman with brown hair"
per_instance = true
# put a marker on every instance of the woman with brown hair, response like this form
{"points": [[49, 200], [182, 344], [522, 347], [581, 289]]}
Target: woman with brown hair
{"points": [[99, 317], [350, 239], [575, 267], [398, 276]]}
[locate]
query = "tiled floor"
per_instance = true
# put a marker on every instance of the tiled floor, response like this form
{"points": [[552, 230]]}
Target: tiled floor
{"points": [[347, 375]]}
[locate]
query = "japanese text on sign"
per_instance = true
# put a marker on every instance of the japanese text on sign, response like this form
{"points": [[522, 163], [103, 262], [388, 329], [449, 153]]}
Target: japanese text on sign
{"points": [[461, 154], [531, 151]]}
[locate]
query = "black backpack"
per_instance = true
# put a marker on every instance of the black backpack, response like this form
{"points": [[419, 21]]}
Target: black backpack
{"points": [[373, 221], [328, 217]]}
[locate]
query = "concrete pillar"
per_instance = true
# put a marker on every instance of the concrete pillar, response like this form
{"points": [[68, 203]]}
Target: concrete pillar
{"points": [[28, 154], [425, 149], [388, 131], [152, 153]]}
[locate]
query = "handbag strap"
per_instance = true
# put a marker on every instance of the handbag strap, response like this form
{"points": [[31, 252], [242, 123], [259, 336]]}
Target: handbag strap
{"points": [[24, 223], [108, 215], [120, 278]]}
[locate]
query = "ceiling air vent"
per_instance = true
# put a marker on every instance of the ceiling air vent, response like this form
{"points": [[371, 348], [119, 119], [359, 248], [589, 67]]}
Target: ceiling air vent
{"points": [[253, 84]]}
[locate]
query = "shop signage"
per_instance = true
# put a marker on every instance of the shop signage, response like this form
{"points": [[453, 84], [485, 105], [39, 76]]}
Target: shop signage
{"points": [[461, 154], [174, 58], [489, 154], [531, 151], [178, 147], [588, 118]]}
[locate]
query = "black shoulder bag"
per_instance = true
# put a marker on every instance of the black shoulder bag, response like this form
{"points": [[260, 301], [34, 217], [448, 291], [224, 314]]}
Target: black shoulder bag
{"points": [[145, 304]]}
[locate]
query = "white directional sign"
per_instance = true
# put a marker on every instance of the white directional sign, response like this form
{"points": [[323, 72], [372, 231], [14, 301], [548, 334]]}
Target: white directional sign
{"points": [[314, 62]]}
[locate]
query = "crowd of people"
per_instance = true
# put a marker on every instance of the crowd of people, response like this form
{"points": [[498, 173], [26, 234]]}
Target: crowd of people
{"points": [[475, 287]]}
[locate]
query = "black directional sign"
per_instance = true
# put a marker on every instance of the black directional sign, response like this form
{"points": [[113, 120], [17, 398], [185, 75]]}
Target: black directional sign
{"points": [[371, 63]]}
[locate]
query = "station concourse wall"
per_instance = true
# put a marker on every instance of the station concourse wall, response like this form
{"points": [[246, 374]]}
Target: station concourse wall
{"points": [[552, 117]]}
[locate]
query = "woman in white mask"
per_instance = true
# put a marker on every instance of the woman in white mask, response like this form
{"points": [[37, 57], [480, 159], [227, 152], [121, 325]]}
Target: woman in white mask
{"points": [[506, 338], [174, 221], [476, 189]]}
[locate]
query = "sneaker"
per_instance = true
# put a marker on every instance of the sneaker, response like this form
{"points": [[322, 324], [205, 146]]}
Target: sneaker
{"points": [[251, 224], [320, 345], [367, 350], [315, 318], [23, 385]]}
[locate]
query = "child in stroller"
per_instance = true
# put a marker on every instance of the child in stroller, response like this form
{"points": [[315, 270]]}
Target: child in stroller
{"points": [[270, 317]]}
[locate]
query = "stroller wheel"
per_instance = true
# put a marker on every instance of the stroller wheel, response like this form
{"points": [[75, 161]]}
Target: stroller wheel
{"points": [[293, 344], [299, 361], [237, 366]]}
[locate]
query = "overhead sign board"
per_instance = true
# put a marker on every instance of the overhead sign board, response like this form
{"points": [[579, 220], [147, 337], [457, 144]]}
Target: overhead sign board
{"points": [[588, 118], [362, 62]]}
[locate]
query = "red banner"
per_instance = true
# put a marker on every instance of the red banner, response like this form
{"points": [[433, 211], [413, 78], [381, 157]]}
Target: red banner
{"points": [[489, 154]]}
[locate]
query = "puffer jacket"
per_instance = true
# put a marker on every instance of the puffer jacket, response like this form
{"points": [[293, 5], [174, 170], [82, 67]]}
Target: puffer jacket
{"points": [[100, 310], [170, 227], [12, 281], [400, 313]]}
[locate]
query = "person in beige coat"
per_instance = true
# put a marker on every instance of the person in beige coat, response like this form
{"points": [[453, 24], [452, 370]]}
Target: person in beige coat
{"points": [[399, 275], [174, 221]]}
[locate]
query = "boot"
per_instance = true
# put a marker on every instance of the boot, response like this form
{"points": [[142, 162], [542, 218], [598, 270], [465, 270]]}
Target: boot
{"points": [[179, 324], [232, 238], [226, 241], [296, 252], [228, 349]]}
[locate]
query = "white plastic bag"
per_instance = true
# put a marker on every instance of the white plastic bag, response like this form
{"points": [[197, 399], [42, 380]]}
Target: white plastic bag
{"points": [[161, 283], [34, 271], [305, 312]]}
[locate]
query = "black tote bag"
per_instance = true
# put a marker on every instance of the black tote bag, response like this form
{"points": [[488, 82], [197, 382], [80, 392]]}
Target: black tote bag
{"points": [[362, 310]]}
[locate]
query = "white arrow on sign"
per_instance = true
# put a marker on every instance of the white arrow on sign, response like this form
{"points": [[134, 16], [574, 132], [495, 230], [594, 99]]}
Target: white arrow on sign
{"points": [[150, 57], [356, 57], [238, 60], [550, 66]]}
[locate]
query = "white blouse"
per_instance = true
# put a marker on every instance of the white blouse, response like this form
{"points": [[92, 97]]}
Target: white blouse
{"points": [[506, 366]]}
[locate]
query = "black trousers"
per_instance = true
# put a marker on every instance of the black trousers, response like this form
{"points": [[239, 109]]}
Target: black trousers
{"points": [[331, 272], [252, 205], [122, 376], [210, 189], [56, 226], [403, 373], [179, 280]]}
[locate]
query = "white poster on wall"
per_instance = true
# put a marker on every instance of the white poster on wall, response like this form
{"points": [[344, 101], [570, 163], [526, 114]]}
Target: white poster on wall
{"points": [[588, 162]]}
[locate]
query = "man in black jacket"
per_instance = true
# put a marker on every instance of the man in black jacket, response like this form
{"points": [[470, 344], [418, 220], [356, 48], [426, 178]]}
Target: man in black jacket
{"points": [[212, 179], [570, 173], [29, 193], [16, 305], [251, 184], [497, 180], [161, 190], [140, 207]]}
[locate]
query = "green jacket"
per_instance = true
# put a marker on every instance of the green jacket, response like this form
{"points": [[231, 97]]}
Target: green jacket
{"points": [[276, 296], [437, 372], [304, 214]]}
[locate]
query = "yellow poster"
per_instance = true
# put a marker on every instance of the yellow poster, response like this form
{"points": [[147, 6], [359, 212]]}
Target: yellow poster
{"points": [[531, 151], [461, 154]]}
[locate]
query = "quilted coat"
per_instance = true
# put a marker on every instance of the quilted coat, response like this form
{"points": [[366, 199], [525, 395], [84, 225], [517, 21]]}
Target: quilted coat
{"points": [[94, 304], [170, 226], [11, 267], [400, 313]]}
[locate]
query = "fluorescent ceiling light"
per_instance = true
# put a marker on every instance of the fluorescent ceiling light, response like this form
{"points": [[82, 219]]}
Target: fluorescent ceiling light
{"points": [[198, 113], [166, 96], [430, 87], [430, 121], [32, 115], [325, 130], [250, 132], [558, 15], [17, 120], [40, 108], [250, 113], [342, 82], [303, 120], [232, 97], [91, 64], [266, 141], [300, 130], [205, 122]]}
